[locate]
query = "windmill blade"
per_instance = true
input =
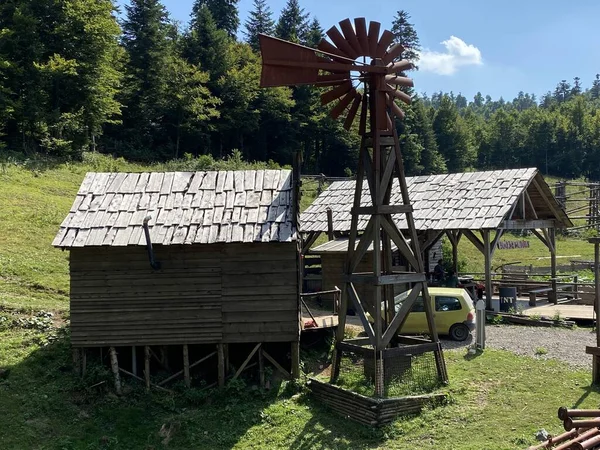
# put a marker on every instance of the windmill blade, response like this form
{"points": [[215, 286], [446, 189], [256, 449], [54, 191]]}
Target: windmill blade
{"points": [[343, 104], [399, 81], [393, 52], [337, 78], [386, 39], [341, 42], [402, 96], [360, 24], [350, 36], [395, 108], [400, 66], [373, 38], [330, 96], [325, 62], [325, 46], [388, 121], [353, 110]]}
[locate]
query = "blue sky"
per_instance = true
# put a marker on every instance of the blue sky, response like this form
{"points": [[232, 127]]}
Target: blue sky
{"points": [[496, 47]]}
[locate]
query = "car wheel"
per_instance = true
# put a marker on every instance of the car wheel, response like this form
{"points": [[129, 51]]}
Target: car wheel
{"points": [[459, 332]]}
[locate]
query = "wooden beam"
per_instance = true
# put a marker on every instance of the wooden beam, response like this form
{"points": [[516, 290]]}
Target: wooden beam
{"points": [[541, 238], [295, 359], [382, 280], [530, 203], [261, 367], [186, 366], [330, 224], [309, 241], [147, 366], [548, 202], [277, 365], [134, 360], [474, 240], [356, 255], [175, 375], [487, 256], [552, 242], [382, 209], [220, 364], [387, 175], [401, 315], [246, 361], [494, 246], [141, 379], [361, 313], [596, 359], [549, 242], [400, 241], [527, 224]]}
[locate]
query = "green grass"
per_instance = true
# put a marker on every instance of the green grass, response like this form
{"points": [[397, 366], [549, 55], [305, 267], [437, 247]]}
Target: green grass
{"points": [[498, 400], [495, 403]]}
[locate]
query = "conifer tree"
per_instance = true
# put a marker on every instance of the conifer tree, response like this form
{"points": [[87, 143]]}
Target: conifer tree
{"points": [[293, 22], [224, 13], [405, 34], [259, 21]]}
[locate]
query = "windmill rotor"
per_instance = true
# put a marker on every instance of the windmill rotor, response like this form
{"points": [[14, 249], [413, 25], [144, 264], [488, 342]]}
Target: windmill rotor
{"points": [[358, 63]]}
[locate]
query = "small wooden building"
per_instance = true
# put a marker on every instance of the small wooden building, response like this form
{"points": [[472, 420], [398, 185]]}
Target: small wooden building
{"points": [[227, 247]]}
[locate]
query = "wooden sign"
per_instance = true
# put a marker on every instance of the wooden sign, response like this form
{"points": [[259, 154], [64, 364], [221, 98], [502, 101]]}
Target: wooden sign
{"points": [[509, 245]]}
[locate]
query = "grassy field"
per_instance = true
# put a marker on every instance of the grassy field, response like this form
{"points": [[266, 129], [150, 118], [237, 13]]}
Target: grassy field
{"points": [[498, 400]]}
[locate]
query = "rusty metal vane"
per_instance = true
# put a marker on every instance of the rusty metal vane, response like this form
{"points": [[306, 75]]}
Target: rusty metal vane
{"points": [[356, 57]]}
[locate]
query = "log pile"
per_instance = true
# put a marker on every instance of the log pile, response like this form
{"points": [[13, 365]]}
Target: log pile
{"points": [[373, 412], [582, 431]]}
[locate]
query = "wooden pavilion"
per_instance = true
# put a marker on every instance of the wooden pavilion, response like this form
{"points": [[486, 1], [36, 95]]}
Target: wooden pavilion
{"points": [[481, 206], [220, 268]]}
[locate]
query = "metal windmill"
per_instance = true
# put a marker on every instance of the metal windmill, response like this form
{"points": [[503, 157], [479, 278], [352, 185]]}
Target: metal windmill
{"points": [[364, 73]]}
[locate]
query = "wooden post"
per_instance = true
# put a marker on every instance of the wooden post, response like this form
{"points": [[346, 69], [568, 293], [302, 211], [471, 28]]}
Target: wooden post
{"points": [[330, 224], [114, 364], [487, 256], [552, 245], [83, 362], [296, 359], [76, 361], [186, 366], [221, 364], [147, 366], [226, 357], [455, 241], [596, 359], [261, 367], [134, 361]]}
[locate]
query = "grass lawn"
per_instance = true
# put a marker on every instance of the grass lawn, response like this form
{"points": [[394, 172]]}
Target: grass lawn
{"points": [[498, 400]]}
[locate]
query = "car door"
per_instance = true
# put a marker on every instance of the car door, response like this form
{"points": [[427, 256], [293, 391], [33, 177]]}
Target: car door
{"points": [[416, 322]]}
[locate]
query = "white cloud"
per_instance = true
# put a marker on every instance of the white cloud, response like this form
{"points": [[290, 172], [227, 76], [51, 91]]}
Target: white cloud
{"points": [[458, 53]]}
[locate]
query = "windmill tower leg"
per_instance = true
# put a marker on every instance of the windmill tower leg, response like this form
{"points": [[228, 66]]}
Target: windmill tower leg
{"points": [[380, 159]]}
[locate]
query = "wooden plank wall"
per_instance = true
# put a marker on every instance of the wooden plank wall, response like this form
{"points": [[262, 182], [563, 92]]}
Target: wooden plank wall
{"points": [[260, 302], [202, 294]]}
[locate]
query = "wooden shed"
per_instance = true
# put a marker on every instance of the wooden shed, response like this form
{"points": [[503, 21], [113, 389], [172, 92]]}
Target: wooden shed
{"points": [[488, 203], [225, 261]]}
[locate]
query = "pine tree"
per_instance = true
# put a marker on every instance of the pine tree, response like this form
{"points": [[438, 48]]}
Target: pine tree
{"points": [[145, 93], [206, 45], [595, 90], [576, 89], [259, 21], [405, 34], [452, 137], [293, 23], [314, 34], [224, 13], [562, 93]]}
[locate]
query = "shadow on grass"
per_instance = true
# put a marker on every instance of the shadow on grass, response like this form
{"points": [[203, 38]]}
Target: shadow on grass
{"points": [[327, 429], [587, 390], [46, 406]]}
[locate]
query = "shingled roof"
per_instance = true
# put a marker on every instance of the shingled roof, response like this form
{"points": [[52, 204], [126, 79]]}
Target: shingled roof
{"points": [[185, 208], [470, 200]]}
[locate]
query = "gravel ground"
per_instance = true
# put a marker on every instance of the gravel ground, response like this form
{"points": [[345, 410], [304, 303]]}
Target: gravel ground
{"points": [[558, 343], [543, 343]]}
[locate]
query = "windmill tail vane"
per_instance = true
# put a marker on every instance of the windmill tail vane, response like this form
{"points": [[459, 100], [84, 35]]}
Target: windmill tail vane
{"points": [[337, 64]]}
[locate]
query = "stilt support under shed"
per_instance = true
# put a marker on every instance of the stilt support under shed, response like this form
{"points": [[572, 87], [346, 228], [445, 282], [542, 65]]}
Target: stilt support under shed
{"points": [[186, 366], [114, 364], [221, 364], [147, 366]]}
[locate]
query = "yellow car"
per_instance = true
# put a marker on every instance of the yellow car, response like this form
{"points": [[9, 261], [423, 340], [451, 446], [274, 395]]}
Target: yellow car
{"points": [[453, 313]]}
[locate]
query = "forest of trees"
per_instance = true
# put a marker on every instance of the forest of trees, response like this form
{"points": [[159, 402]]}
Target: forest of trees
{"points": [[77, 76]]}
